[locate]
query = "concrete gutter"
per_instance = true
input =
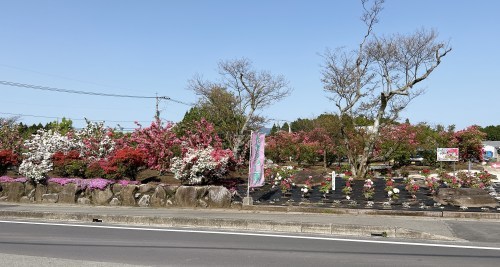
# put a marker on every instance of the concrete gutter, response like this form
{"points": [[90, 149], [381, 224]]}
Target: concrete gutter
{"points": [[234, 224]]}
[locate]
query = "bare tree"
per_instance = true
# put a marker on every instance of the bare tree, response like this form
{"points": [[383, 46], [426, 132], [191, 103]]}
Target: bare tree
{"points": [[377, 81], [253, 90]]}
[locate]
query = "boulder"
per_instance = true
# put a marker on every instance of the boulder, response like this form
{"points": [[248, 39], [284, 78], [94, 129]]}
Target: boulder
{"points": [[83, 201], [54, 187], [127, 195], [31, 194], [50, 198], [115, 202], [116, 188], [170, 190], [4, 198], [144, 201], [188, 196], [68, 194], [465, 197], [40, 190], [25, 199], [219, 197], [29, 188], [101, 197], [159, 197], [146, 188], [13, 191]]}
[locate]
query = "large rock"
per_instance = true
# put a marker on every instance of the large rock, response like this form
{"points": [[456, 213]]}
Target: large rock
{"points": [[40, 190], [219, 197], [50, 198], [159, 197], [465, 197], [101, 197], [146, 188], [115, 202], [144, 201], [68, 194], [13, 191], [127, 195], [83, 201], [189, 196], [54, 187], [29, 188], [25, 199], [116, 188]]}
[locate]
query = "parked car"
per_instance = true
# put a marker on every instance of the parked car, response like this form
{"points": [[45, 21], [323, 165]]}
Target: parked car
{"points": [[417, 160]]}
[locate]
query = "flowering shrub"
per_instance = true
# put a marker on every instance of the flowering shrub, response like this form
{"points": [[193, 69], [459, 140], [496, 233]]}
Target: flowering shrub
{"points": [[203, 165], [393, 193], [95, 183], [127, 182], [368, 189], [7, 179], [94, 141], [432, 183], [68, 163], [389, 184], [412, 187], [307, 186], [10, 137], [347, 190], [485, 178], [158, 142], [40, 149], [451, 181], [7, 159], [124, 162], [326, 185]]}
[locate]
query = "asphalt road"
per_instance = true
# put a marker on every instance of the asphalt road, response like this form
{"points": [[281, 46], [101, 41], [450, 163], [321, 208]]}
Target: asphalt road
{"points": [[105, 245]]}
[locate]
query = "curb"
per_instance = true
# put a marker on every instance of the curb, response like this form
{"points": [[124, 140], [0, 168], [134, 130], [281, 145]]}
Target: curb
{"points": [[423, 213], [236, 224]]}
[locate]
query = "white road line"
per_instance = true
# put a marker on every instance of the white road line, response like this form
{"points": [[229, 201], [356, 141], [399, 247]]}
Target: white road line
{"points": [[254, 234]]}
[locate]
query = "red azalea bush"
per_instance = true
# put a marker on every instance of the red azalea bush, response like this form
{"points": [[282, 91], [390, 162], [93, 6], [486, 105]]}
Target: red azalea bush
{"points": [[125, 162], [68, 164], [7, 159]]}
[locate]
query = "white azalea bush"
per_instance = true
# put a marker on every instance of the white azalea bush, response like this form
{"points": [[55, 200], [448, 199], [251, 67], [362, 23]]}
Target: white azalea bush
{"points": [[202, 165], [40, 148], [94, 142]]}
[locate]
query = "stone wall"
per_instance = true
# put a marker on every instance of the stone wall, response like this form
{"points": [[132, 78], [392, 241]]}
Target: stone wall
{"points": [[144, 195]]}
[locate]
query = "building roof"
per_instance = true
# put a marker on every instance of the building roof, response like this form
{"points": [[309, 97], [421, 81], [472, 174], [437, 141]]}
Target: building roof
{"points": [[492, 143]]}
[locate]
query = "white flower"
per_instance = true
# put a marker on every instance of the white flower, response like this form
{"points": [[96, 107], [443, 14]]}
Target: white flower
{"points": [[347, 197], [306, 190], [396, 191], [389, 193]]}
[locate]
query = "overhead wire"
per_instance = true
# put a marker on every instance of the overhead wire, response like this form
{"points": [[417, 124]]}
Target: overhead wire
{"points": [[52, 117], [62, 90]]}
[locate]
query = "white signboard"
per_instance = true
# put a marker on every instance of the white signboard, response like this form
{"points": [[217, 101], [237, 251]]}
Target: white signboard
{"points": [[447, 154]]}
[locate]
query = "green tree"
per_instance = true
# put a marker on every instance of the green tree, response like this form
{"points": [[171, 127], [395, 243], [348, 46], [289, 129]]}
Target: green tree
{"points": [[218, 107], [62, 127], [492, 132]]}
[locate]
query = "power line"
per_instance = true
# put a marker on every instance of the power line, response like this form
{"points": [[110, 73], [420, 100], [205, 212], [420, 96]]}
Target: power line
{"points": [[50, 117], [61, 90]]}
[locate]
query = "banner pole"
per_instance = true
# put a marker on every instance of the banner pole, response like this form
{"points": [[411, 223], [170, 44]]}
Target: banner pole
{"points": [[248, 201]]}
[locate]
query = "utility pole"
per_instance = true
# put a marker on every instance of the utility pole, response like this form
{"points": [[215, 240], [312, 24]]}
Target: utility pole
{"points": [[157, 113]]}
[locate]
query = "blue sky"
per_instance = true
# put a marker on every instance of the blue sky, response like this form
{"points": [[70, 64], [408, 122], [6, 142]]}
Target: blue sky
{"points": [[149, 47]]}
